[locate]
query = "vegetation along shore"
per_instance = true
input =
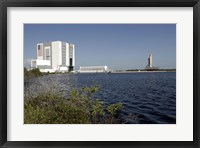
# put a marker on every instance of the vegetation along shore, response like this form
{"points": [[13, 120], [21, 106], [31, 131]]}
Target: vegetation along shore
{"points": [[79, 107]]}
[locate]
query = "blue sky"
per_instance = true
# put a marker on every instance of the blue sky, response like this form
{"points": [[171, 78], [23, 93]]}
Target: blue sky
{"points": [[119, 46]]}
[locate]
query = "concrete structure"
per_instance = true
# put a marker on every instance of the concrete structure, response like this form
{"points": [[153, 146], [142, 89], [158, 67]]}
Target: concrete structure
{"points": [[54, 56], [94, 69]]}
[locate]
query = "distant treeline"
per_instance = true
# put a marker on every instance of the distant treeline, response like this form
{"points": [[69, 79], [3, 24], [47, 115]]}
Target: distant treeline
{"points": [[151, 70], [32, 73], [36, 73]]}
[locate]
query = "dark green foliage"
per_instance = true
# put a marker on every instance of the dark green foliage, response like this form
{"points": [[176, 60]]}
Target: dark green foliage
{"points": [[32, 73], [113, 108], [78, 108]]}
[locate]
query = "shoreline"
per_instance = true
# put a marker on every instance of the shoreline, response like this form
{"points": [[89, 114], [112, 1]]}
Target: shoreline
{"points": [[139, 71], [118, 72]]}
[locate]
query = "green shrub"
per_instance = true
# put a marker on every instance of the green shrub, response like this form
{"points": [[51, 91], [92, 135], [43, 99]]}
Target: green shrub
{"points": [[113, 108], [32, 73], [77, 108]]}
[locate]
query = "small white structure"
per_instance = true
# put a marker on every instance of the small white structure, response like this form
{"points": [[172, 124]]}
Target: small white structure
{"points": [[150, 60], [94, 69], [54, 56]]}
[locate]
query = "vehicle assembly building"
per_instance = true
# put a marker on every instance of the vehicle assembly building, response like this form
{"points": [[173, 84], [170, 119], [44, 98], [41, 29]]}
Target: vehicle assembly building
{"points": [[54, 56]]}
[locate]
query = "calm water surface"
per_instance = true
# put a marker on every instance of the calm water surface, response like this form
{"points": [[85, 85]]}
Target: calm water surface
{"points": [[148, 98]]}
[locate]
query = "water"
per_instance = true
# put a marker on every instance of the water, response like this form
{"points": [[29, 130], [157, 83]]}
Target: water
{"points": [[148, 98]]}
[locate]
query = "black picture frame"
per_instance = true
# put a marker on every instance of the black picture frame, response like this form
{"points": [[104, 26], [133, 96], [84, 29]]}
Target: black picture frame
{"points": [[4, 4]]}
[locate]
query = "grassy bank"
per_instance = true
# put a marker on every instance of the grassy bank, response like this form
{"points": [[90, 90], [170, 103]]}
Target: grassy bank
{"points": [[77, 108], [32, 73], [36, 73]]}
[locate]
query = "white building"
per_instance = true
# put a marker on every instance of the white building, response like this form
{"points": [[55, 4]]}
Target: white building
{"points": [[94, 69], [54, 56]]}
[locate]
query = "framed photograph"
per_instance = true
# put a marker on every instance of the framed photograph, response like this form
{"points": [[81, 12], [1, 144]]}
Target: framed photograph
{"points": [[99, 73]]}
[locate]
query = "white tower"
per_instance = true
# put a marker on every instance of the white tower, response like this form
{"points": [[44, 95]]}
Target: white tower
{"points": [[150, 60]]}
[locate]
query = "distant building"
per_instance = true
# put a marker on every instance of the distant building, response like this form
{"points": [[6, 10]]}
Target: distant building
{"points": [[54, 56], [150, 60], [94, 69]]}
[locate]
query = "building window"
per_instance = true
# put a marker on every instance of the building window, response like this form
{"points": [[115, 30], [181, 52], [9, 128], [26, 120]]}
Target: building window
{"points": [[47, 54]]}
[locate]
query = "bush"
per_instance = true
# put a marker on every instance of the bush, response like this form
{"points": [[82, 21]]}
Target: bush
{"points": [[77, 108], [32, 73]]}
